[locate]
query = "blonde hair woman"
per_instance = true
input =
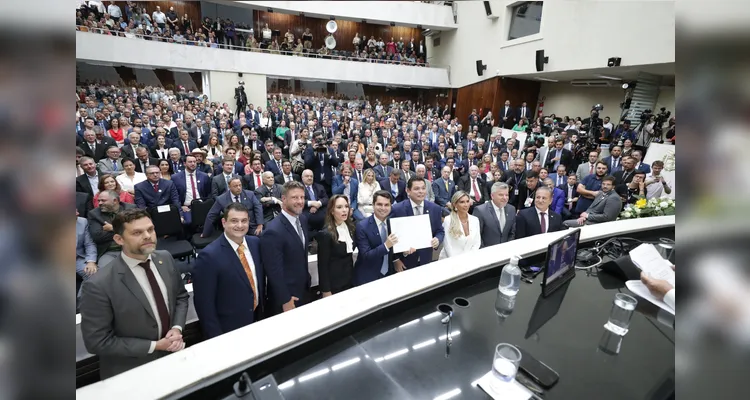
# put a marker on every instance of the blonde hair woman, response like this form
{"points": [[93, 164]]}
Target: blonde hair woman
{"points": [[461, 228], [365, 191]]}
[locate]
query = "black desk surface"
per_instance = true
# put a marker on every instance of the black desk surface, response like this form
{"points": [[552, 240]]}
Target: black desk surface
{"points": [[568, 343]]}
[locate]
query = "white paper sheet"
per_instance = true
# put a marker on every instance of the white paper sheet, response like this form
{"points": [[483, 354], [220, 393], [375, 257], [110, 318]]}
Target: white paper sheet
{"points": [[640, 289], [513, 391], [648, 259], [413, 232], [161, 209]]}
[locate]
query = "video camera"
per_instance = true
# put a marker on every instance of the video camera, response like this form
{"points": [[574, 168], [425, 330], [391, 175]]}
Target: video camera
{"points": [[659, 120], [319, 142], [593, 123]]}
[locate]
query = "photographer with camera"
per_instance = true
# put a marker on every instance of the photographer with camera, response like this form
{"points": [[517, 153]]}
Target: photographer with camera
{"points": [[321, 160], [624, 132]]}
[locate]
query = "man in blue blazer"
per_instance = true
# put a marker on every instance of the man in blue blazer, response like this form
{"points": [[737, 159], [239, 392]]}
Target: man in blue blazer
{"points": [[640, 166], [374, 260], [316, 202], [383, 170], [415, 204], [236, 194], [443, 188], [528, 221], [284, 252], [155, 191], [85, 250], [394, 185], [201, 182], [228, 279], [613, 160], [341, 181], [185, 144], [274, 164]]}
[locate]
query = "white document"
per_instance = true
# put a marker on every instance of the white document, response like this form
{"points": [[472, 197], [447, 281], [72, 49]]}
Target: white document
{"points": [[512, 390], [648, 259], [413, 232], [640, 289], [163, 209]]}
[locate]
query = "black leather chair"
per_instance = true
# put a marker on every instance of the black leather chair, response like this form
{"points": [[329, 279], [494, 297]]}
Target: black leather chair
{"points": [[200, 209], [168, 226]]}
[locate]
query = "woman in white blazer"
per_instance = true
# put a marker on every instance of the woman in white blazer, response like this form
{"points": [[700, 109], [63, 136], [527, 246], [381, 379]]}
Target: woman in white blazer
{"points": [[461, 228]]}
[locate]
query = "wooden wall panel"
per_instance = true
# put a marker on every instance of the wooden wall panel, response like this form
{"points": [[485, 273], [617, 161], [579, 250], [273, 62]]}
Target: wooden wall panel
{"points": [[343, 35], [191, 8], [517, 91], [491, 95], [480, 95]]}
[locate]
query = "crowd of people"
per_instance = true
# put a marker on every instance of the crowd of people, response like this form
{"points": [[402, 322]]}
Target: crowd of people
{"points": [[302, 170], [135, 22]]}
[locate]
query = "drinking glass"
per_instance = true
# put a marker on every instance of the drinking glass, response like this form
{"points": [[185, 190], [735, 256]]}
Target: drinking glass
{"points": [[621, 314], [505, 364]]}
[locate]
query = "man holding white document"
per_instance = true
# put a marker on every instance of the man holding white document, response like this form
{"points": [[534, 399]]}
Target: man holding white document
{"points": [[422, 232], [656, 273], [660, 288]]}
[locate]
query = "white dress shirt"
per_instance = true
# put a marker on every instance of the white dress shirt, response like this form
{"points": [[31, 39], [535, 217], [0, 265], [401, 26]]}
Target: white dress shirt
{"points": [[127, 184], [500, 215], [546, 218], [414, 205], [140, 276], [345, 237], [190, 183], [669, 298], [249, 258], [655, 189]]}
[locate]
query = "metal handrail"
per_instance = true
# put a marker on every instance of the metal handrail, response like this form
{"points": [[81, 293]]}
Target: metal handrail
{"points": [[258, 50]]}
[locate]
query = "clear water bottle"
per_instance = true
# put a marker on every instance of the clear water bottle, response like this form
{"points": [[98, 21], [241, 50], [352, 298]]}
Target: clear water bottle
{"points": [[510, 279]]}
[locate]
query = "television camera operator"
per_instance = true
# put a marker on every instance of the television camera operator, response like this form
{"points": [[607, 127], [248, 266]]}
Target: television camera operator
{"points": [[320, 159], [651, 127]]}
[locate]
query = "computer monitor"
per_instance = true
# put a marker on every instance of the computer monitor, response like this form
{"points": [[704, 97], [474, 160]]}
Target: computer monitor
{"points": [[561, 262]]}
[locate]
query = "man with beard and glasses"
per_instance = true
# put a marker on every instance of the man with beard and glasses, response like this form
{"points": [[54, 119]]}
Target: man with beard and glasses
{"points": [[100, 225], [133, 311]]}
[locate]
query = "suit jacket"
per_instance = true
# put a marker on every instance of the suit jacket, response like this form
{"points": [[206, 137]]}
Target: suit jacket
{"points": [[284, 256], [151, 161], [527, 223], [103, 239], [489, 225], [84, 186], [583, 171], [385, 184], [335, 264], [271, 166], [421, 256], [644, 167], [371, 250], [222, 294], [176, 166], [564, 189], [270, 209], [192, 145], [608, 161], [280, 178], [558, 200], [107, 166], [442, 196], [247, 198], [619, 177], [338, 188], [521, 114], [100, 151], [312, 162], [85, 246], [605, 208], [523, 193], [117, 322], [146, 197], [402, 175], [248, 181], [566, 159], [84, 203], [320, 195], [465, 184], [202, 182], [219, 185], [380, 174], [127, 150]]}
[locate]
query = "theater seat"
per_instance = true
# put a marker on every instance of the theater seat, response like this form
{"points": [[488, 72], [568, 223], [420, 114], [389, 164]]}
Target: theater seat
{"points": [[200, 210], [168, 227]]}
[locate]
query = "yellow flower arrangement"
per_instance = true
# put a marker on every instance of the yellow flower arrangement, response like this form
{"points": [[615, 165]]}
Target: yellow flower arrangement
{"points": [[641, 203]]}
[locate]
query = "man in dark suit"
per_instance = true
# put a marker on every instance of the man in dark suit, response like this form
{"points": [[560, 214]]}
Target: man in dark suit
{"points": [[155, 191], [220, 181], [274, 165], [474, 186], [383, 170], [185, 144], [605, 207], [269, 194], [525, 197], [88, 182], [228, 279], [316, 200], [91, 147], [252, 141], [443, 188], [236, 194], [625, 175], [133, 144], [416, 190], [523, 112], [133, 311], [539, 218], [287, 174], [497, 218], [570, 189], [284, 252], [394, 185], [614, 160], [507, 115], [175, 160], [254, 179], [101, 217], [143, 160], [374, 260], [191, 185], [559, 156], [321, 160]]}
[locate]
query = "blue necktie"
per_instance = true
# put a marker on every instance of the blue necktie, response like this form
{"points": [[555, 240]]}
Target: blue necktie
{"points": [[114, 165], [312, 195], [384, 237]]}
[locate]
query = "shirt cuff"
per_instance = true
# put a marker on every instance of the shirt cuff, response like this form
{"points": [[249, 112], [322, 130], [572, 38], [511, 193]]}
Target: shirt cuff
{"points": [[669, 298], [178, 328], [152, 347]]}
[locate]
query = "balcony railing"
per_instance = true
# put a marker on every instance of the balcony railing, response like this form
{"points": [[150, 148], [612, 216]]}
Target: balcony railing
{"points": [[335, 54]]}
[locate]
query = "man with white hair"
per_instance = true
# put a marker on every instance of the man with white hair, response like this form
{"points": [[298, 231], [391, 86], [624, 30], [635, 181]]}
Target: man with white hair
{"points": [[421, 170], [475, 186]]}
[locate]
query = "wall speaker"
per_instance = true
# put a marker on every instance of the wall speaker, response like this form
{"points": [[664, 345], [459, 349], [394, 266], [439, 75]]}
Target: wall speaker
{"points": [[614, 61], [480, 68], [541, 60], [487, 8], [239, 74]]}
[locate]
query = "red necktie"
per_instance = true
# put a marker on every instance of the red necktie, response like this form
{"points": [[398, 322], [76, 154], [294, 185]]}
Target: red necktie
{"points": [[542, 222], [429, 176], [156, 187], [477, 197], [192, 185], [591, 169], [161, 305], [187, 150], [257, 181]]}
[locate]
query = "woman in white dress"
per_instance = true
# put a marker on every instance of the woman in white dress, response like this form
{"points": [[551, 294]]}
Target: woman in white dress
{"points": [[461, 228], [365, 191], [130, 178]]}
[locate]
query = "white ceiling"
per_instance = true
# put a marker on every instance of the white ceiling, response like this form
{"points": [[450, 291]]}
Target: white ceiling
{"points": [[666, 70]]}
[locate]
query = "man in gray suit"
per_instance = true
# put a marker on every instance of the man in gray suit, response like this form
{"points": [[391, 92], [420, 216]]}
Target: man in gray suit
{"points": [[606, 206], [588, 168], [85, 250], [497, 218], [219, 183], [111, 164], [134, 311]]}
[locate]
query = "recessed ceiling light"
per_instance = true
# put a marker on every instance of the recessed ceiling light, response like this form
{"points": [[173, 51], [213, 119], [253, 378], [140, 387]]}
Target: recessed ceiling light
{"points": [[546, 79]]}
